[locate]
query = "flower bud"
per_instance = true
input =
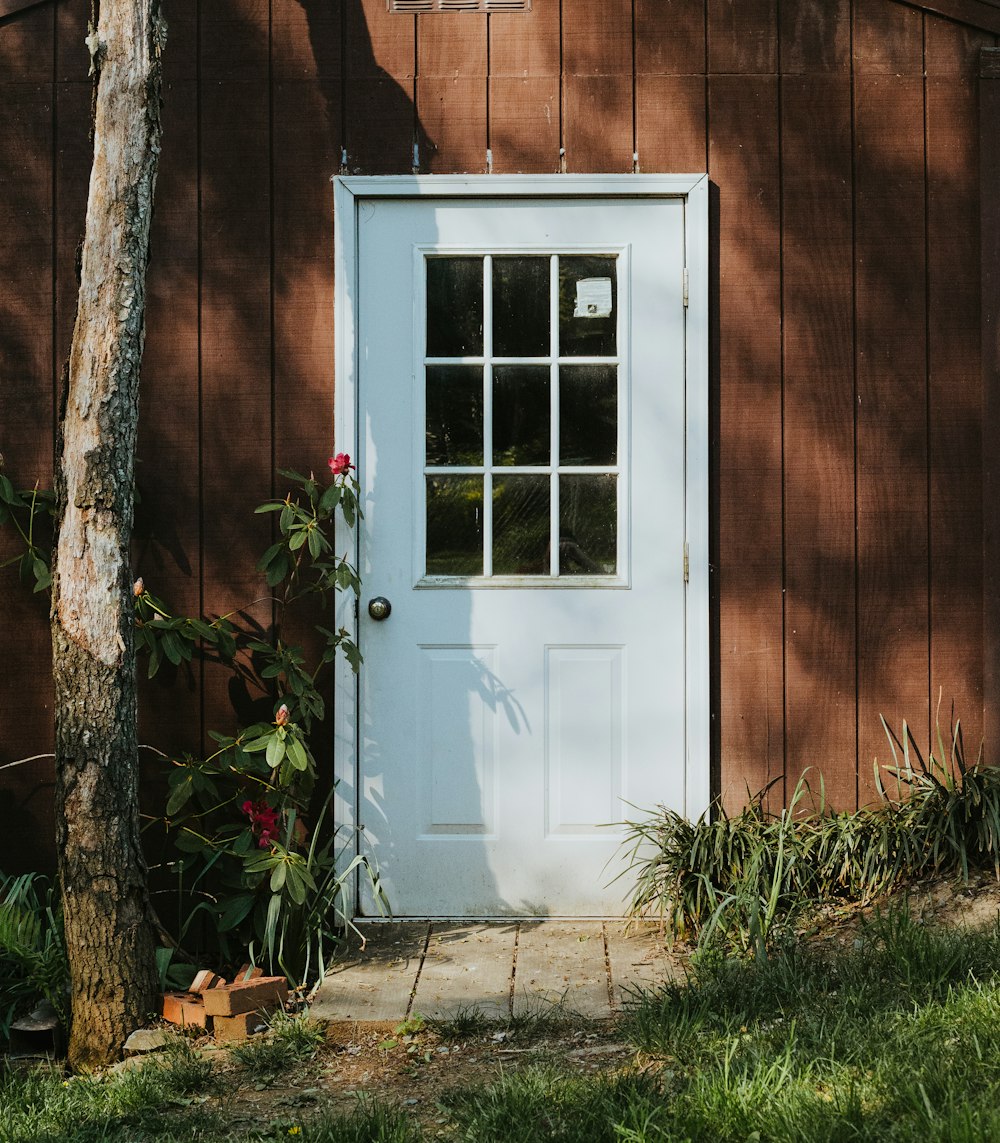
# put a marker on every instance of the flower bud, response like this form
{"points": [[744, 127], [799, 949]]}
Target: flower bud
{"points": [[138, 587], [281, 718]]}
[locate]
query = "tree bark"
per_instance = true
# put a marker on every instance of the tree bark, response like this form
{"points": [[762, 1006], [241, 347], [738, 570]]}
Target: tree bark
{"points": [[109, 935]]}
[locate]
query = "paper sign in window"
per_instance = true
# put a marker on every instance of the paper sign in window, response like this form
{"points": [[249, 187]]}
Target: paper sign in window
{"points": [[593, 298]]}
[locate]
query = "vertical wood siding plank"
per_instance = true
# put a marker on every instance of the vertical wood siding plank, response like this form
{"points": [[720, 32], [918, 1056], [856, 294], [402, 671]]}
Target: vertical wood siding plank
{"points": [[989, 269], [307, 41], [670, 85], [26, 411], [524, 123], [525, 44], [451, 91], [820, 710], [815, 36], [597, 85], [597, 38], [379, 88], [742, 37], [743, 162], [670, 37], [955, 446], [167, 533], [306, 123], [236, 394], [891, 415]]}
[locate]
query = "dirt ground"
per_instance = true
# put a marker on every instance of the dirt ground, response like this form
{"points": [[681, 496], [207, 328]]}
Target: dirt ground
{"points": [[413, 1066]]}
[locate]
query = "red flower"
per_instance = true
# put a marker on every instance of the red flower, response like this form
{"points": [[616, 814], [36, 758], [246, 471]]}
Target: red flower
{"points": [[340, 465], [263, 821]]}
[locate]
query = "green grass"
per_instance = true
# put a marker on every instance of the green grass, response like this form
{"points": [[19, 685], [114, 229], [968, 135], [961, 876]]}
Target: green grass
{"points": [[894, 1038], [290, 1042]]}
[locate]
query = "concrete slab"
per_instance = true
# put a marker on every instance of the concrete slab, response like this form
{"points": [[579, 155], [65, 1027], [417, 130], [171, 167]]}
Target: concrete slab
{"points": [[638, 960], [375, 983], [562, 963], [466, 967]]}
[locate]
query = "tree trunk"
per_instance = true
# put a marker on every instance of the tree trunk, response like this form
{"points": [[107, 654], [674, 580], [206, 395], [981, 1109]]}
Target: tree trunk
{"points": [[109, 935]]}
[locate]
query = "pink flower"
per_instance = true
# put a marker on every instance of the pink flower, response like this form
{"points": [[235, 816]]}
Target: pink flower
{"points": [[340, 465], [281, 718]]}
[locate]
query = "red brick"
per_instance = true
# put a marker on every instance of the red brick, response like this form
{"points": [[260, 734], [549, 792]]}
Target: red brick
{"points": [[267, 992], [184, 1008], [235, 1027]]}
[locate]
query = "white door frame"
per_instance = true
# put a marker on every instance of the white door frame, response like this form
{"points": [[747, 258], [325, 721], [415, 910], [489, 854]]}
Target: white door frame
{"points": [[350, 192]]}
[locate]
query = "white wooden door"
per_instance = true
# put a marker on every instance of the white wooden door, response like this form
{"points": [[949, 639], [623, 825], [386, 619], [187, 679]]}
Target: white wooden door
{"points": [[522, 454]]}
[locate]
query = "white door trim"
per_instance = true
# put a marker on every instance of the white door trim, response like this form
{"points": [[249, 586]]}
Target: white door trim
{"points": [[350, 192]]}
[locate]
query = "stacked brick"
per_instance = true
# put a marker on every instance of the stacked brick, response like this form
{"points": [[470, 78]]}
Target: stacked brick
{"points": [[227, 1011]]}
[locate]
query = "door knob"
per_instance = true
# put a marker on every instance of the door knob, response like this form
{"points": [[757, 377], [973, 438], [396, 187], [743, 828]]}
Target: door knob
{"points": [[379, 608]]}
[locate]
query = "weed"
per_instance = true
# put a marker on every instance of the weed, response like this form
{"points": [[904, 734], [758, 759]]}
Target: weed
{"points": [[743, 879], [32, 951], [290, 1040]]}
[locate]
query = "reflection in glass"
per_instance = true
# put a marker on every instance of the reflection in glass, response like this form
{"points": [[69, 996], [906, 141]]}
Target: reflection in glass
{"points": [[521, 414], [454, 525], [521, 525], [454, 307], [454, 424], [588, 414], [521, 307], [588, 305], [588, 525]]}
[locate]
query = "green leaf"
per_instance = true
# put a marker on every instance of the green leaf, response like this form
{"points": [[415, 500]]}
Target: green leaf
{"points": [[330, 498], [275, 751], [235, 910], [278, 877], [298, 538], [188, 842], [315, 542], [181, 795], [262, 743], [297, 753], [270, 506]]}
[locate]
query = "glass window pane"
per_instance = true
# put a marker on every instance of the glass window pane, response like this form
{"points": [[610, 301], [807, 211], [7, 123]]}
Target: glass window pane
{"points": [[588, 414], [454, 525], [521, 414], [588, 525], [454, 425], [521, 307], [454, 307], [521, 525], [588, 305]]}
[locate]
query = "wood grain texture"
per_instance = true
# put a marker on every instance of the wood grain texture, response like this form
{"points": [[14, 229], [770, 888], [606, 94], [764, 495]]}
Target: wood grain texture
{"points": [[236, 440], [597, 38], [815, 36], [742, 36], [597, 122], [380, 124], [525, 45], [26, 427], [670, 37], [670, 123], [451, 92], [954, 405], [524, 124], [743, 161], [892, 415], [820, 706], [887, 38], [167, 542], [989, 340]]}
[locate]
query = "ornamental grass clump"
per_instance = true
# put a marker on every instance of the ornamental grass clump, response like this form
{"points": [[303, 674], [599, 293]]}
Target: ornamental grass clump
{"points": [[745, 876]]}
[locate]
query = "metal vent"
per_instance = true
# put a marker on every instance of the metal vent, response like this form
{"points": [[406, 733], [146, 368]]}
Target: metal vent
{"points": [[416, 6]]}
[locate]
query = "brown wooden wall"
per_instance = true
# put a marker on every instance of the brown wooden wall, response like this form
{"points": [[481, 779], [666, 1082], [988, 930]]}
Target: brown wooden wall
{"points": [[841, 136]]}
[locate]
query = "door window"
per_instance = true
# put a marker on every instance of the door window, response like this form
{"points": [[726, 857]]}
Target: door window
{"points": [[523, 417]]}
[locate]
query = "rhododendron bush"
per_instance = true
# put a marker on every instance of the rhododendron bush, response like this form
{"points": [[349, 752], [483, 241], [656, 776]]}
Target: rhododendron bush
{"points": [[259, 857]]}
